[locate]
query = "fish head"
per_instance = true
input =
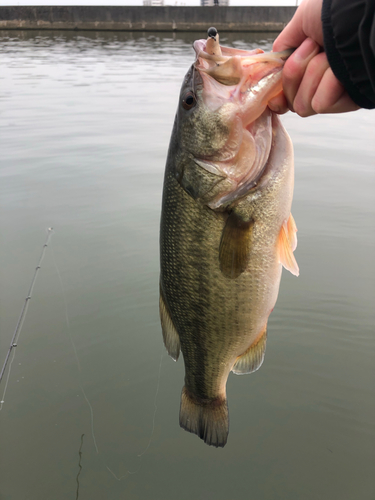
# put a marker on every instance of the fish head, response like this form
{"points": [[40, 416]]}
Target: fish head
{"points": [[224, 124], [246, 80]]}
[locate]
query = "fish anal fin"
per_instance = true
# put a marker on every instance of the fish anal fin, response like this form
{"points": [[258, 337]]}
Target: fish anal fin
{"points": [[170, 335], [207, 419], [286, 244], [235, 246], [252, 359]]}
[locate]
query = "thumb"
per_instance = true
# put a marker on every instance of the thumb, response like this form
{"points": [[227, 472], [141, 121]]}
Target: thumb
{"points": [[292, 35]]}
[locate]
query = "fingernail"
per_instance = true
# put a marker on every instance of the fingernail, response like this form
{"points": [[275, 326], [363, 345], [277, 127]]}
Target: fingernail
{"points": [[306, 50]]}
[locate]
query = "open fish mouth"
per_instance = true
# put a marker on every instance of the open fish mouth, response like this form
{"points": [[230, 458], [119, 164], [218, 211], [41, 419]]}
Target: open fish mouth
{"points": [[239, 84], [233, 74]]}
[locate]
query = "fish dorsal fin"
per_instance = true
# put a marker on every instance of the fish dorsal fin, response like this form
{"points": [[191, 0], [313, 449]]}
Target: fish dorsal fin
{"points": [[235, 246], [286, 244], [252, 359], [170, 335]]}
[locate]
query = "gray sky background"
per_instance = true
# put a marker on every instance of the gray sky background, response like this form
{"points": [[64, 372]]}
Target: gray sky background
{"points": [[191, 3]]}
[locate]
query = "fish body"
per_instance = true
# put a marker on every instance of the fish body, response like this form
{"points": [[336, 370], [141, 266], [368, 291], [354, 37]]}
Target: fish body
{"points": [[226, 227]]}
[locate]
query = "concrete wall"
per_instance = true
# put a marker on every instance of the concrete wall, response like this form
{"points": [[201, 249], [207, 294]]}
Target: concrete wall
{"points": [[146, 18]]}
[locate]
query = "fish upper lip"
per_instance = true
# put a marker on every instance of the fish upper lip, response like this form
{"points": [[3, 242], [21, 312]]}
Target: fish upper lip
{"points": [[258, 54], [242, 61]]}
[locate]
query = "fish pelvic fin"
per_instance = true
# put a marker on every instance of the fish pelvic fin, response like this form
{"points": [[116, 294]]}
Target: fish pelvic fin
{"points": [[286, 244], [235, 246], [207, 419], [252, 359], [170, 335]]}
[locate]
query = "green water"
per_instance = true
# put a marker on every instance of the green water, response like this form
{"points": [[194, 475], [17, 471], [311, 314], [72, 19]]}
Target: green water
{"points": [[85, 121]]}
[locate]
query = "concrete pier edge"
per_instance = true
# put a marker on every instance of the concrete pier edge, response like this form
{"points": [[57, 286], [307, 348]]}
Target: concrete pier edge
{"points": [[111, 18]]}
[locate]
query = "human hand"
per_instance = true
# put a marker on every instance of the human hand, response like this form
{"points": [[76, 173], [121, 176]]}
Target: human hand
{"points": [[309, 84]]}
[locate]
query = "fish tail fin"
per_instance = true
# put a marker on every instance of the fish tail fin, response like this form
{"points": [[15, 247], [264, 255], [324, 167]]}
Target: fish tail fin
{"points": [[207, 419]]}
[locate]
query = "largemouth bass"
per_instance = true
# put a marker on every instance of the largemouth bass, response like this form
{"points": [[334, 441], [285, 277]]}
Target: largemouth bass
{"points": [[226, 226]]}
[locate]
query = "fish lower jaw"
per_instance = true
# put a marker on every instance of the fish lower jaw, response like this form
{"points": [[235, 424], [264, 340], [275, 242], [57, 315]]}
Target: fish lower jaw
{"points": [[265, 82]]}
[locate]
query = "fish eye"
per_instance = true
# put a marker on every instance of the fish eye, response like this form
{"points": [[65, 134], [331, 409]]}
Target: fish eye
{"points": [[189, 100]]}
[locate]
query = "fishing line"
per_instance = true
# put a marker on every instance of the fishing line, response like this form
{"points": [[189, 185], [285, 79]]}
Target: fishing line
{"points": [[12, 352], [79, 466], [21, 319], [83, 391], [155, 406], [75, 351], [140, 455]]}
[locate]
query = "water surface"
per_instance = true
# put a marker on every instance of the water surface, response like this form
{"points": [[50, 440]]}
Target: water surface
{"points": [[85, 125]]}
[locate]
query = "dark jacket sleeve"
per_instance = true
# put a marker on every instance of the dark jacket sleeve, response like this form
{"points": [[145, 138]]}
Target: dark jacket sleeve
{"points": [[349, 42]]}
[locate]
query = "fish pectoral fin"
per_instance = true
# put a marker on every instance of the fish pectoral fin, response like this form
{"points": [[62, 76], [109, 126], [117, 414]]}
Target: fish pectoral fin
{"points": [[170, 335], [252, 359], [286, 244], [235, 246]]}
